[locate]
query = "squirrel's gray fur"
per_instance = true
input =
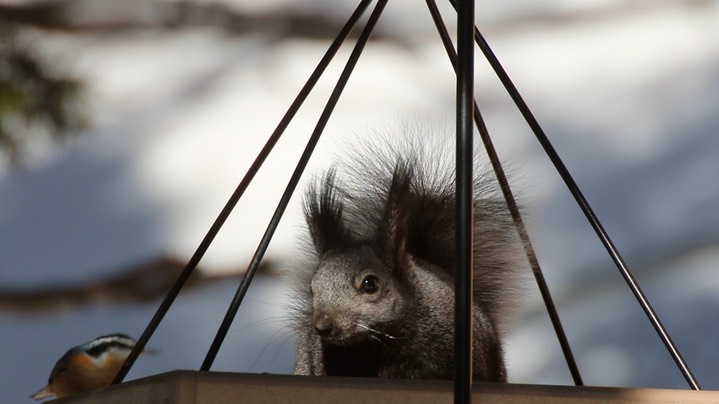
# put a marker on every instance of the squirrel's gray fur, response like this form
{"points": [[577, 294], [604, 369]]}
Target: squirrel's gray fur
{"points": [[375, 295]]}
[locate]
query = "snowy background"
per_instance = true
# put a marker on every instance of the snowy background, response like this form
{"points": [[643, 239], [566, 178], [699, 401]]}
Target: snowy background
{"points": [[628, 92]]}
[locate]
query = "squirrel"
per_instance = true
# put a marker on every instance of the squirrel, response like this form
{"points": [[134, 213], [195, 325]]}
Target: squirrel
{"points": [[375, 295]]}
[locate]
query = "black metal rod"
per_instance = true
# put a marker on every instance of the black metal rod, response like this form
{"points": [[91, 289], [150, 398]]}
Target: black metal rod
{"points": [[284, 201], [529, 252], [465, 182], [237, 194], [588, 212], [512, 205]]}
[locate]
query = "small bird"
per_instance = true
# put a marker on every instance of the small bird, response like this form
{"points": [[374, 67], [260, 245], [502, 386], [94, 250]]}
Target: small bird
{"points": [[88, 366]]}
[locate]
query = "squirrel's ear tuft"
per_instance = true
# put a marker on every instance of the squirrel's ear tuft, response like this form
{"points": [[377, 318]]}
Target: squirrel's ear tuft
{"points": [[392, 231], [323, 213]]}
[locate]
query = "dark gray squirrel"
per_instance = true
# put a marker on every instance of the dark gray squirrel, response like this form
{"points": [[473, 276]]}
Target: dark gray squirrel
{"points": [[374, 296]]}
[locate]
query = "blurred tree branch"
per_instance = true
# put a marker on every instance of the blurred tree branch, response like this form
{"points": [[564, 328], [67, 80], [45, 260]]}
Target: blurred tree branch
{"points": [[110, 15], [142, 283], [102, 16], [32, 97]]}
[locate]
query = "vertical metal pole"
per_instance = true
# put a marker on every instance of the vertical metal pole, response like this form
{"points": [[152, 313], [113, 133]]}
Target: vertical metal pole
{"points": [[511, 203], [465, 131]]}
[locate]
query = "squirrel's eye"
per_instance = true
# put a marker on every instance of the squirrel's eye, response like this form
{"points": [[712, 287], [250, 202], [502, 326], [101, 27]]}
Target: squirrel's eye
{"points": [[370, 284]]}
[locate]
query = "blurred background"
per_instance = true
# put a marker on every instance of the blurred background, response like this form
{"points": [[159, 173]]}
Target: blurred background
{"points": [[125, 126]]}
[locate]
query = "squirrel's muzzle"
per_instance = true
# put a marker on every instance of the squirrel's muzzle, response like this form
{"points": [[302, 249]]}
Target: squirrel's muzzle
{"points": [[324, 325]]}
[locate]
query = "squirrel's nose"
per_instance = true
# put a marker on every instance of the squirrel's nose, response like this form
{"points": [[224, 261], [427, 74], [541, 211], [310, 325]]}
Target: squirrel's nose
{"points": [[323, 324]]}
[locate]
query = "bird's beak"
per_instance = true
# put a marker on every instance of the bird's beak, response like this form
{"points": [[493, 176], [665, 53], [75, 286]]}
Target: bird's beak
{"points": [[43, 393]]}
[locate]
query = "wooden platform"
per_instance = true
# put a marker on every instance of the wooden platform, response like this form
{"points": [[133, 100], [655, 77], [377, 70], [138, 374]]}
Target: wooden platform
{"points": [[190, 387]]}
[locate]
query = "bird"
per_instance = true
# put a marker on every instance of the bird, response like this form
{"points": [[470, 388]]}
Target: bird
{"points": [[88, 366]]}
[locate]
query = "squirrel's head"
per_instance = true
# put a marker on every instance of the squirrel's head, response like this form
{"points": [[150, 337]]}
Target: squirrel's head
{"points": [[361, 288], [356, 297]]}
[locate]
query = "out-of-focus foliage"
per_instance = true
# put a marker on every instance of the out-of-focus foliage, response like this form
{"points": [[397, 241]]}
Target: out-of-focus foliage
{"points": [[35, 99]]}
